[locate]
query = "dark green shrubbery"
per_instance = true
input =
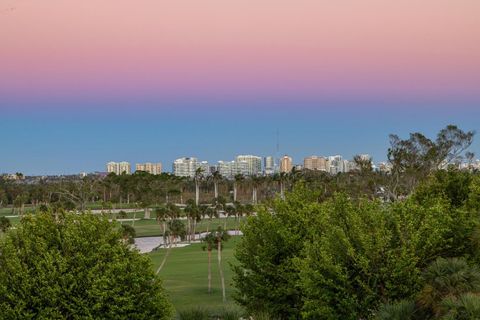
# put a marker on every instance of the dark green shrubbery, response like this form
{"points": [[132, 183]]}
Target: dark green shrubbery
{"points": [[76, 266]]}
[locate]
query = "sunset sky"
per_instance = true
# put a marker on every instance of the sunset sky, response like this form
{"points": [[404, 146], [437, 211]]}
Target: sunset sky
{"points": [[86, 82]]}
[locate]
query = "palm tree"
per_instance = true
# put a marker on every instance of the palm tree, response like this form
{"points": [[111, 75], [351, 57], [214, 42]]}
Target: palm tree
{"points": [[221, 237], [230, 211], [162, 215], [255, 181], [447, 278], [240, 211], [197, 178], [451, 291], [209, 244], [237, 180], [216, 178], [176, 230], [210, 212], [193, 214]]}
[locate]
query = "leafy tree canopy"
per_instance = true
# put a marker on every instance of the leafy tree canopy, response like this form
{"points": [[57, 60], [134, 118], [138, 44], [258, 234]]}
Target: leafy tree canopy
{"points": [[75, 267]]}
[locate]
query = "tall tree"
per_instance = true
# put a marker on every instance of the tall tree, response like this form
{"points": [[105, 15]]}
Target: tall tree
{"points": [[76, 265], [221, 237], [216, 178], [238, 179], [197, 179], [210, 241]]}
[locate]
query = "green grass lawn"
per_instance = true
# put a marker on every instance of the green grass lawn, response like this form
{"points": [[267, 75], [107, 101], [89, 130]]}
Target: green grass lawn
{"points": [[185, 276], [150, 228]]}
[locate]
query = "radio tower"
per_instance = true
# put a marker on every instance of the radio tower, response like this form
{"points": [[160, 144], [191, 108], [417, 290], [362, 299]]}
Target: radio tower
{"points": [[277, 153]]}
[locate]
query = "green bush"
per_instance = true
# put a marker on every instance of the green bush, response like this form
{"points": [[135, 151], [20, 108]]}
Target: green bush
{"points": [[76, 266]]}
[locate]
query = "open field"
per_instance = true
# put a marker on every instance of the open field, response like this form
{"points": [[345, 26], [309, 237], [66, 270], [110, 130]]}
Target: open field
{"points": [[185, 276], [150, 228]]}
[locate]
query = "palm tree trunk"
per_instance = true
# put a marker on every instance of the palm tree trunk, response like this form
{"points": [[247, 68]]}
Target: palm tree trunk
{"points": [[234, 192], [221, 270], [194, 227], [197, 193], [209, 270], [216, 189], [134, 217]]}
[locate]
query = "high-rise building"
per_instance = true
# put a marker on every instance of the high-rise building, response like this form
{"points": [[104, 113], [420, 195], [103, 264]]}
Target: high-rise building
{"points": [[335, 164], [286, 164], [119, 167], [253, 164], [187, 167], [226, 169], [152, 168], [269, 165], [315, 163]]}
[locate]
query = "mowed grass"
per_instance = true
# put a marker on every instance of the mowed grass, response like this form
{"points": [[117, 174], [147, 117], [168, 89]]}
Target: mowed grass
{"points": [[150, 228], [185, 276]]}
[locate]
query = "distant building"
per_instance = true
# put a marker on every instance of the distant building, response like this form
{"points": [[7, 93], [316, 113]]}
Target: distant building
{"points": [[335, 164], [187, 167], [253, 164], [152, 168], [119, 167], [269, 165], [315, 163], [286, 164], [226, 169]]}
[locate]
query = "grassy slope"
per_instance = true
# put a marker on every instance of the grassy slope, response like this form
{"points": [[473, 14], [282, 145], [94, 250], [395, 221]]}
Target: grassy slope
{"points": [[185, 276]]}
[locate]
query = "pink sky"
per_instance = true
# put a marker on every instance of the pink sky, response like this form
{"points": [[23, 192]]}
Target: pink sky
{"points": [[301, 48]]}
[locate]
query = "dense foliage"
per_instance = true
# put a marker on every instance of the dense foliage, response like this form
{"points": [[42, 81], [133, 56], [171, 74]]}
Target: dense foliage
{"points": [[341, 258], [75, 267]]}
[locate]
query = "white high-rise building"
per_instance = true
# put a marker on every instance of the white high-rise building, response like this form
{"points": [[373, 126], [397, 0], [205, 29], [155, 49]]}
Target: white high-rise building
{"points": [[269, 165], [335, 164], [119, 167], [226, 169], [185, 167], [253, 164]]}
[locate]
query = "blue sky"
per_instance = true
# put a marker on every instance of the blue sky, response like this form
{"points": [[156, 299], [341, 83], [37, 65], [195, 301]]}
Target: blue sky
{"points": [[53, 141]]}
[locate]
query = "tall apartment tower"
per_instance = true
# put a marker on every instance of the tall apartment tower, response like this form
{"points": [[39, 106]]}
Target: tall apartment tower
{"points": [[269, 165], [185, 167], [152, 168], [315, 163], [119, 167], [253, 164], [286, 164]]}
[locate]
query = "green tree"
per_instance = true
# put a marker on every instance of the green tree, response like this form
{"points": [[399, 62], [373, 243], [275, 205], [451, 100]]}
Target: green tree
{"points": [[76, 266], [221, 236], [209, 244], [5, 224], [238, 179], [451, 291], [128, 233]]}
